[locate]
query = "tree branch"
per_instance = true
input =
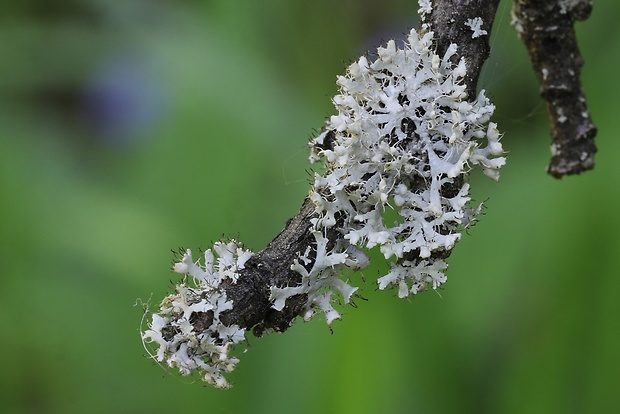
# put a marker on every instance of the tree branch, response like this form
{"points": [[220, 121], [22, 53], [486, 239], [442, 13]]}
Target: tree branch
{"points": [[409, 127], [271, 267], [546, 29]]}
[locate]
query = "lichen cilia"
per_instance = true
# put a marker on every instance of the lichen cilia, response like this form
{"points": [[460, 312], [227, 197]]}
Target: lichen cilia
{"points": [[404, 139]]}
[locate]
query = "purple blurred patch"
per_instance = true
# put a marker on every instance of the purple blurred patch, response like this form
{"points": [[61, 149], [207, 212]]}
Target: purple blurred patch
{"points": [[123, 100]]}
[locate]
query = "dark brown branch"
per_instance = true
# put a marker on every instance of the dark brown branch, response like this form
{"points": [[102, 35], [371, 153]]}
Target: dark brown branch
{"points": [[272, 266], [546, 29], [448, 20]]}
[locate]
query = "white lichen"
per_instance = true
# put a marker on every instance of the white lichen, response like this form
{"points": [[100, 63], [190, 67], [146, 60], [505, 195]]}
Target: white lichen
{"points": [[396, 157], [561, 117], [425, 7], [404, 139], [187, 329], [322, 278], [475, 25]]}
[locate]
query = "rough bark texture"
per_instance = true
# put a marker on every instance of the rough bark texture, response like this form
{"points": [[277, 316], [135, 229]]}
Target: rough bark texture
{"points": [[449, 20], [271, 267], [546, 29]]}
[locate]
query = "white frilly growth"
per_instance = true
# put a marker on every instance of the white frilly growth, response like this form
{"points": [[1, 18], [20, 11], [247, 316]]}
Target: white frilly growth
{"points": [[322, 278], [396, 160], [187, 329], [426, 7], [475, 25], [404, 139]]}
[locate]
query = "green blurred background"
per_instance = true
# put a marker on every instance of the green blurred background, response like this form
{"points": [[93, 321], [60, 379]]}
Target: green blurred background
{"points": [[129, 128]]}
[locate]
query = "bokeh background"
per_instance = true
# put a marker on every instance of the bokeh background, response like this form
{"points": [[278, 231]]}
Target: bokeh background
{"points": [[132, 127]]}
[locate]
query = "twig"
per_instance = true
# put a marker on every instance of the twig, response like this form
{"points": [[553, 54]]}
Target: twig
{"points": [[546, 29]]}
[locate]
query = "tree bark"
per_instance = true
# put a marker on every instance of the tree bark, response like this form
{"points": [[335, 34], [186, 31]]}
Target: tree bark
{"points": [[449, 20], [546, 29]]}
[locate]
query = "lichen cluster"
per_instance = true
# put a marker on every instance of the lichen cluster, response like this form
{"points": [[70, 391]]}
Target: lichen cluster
{"points": [[404, 139], [396, 157], [187, 328]]}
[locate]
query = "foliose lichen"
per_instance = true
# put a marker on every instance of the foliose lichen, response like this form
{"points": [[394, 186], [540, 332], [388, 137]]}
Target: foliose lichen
{"points": [[396, 157], [404, 139], [187, 329], [475, 25]]}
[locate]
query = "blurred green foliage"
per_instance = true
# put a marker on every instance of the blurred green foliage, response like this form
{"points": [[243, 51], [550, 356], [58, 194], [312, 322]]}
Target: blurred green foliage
{"points": [[129, 128]]}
